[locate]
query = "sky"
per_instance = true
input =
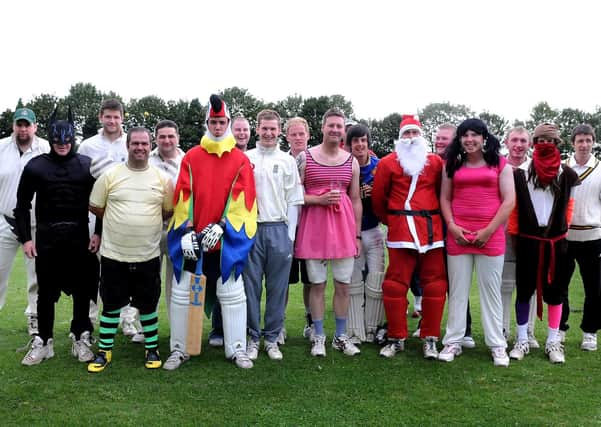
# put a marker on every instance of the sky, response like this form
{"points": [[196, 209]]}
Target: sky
{"points": [[384, 56]]}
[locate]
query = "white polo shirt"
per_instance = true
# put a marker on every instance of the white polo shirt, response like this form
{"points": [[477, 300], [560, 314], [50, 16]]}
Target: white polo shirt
{"points": [[277, 183], [12, 163]]}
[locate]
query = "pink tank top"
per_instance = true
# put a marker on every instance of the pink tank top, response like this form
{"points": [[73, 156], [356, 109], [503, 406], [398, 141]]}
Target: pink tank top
{"points": [[475, 201]]}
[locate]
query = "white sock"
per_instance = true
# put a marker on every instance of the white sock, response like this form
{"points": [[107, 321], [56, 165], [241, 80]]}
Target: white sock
{"points": [[552, 335], [417, 306], [522, 331]]}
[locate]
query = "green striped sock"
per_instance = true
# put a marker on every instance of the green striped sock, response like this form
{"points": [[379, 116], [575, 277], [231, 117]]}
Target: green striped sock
{"points": [[150, 326], [109, 321]]}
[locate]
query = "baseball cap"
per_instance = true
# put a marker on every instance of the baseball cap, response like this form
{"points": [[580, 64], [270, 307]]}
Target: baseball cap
{"points": [[24, 114]]}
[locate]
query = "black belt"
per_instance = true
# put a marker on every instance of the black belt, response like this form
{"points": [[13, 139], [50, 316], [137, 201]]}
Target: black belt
{"points": [[582, 227], [425, 213]]}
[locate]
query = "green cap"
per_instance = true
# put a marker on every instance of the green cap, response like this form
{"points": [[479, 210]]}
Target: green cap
{"points": [[24, 114]]}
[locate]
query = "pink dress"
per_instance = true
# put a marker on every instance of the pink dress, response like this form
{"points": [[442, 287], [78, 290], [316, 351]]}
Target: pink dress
{"points": [[474, 203], [327, 232]]}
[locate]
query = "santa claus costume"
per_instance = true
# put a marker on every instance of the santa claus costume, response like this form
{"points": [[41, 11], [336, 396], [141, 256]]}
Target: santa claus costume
{"points": [[405, 198]]}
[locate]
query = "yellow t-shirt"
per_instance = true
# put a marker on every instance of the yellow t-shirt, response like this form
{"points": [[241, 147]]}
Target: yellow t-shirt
{"points": [[133, 201]]}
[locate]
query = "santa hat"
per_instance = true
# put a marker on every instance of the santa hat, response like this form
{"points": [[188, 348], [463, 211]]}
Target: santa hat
{"points": [[217, 108], [409, 122]]}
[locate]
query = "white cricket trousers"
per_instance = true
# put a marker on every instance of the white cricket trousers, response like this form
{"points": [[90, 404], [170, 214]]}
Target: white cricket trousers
{"points": [[488, 272], [8, 251]]}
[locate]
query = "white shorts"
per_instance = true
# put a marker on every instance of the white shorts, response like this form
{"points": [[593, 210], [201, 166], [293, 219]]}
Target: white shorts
{"points": [[342, 269]]}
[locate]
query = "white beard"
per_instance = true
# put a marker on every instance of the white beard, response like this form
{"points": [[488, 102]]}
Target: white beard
{"points": [[412, 154]]}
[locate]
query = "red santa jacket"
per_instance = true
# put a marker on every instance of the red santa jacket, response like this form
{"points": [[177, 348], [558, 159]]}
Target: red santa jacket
{"points": [[408, 205]]}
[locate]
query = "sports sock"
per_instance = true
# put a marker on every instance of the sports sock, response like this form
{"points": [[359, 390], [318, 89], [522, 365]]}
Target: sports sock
{"points": [[150, 326], [318, 326], [109, 321], [340, 326], [521, 312], [522, 332], [554, 315]]}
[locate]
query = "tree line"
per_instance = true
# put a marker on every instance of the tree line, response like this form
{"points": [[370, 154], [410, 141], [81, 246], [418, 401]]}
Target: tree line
{"points": [[85, 99]]}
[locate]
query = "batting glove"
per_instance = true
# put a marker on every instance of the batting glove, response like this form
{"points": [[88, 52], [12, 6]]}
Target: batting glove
{"points": [[211, 235], [190, 246]]}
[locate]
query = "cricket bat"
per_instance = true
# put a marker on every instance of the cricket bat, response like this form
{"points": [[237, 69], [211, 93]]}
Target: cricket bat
{"points": [[196, 313]]}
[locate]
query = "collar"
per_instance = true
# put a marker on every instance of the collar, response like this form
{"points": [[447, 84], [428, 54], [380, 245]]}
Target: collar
{"points": [[589, 164], [267, 150], [224, 145]]}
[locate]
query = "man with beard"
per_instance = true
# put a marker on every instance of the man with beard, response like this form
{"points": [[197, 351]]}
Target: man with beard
{"points": [[405, 198], [61, 183], [539, 223], [15, 152]]}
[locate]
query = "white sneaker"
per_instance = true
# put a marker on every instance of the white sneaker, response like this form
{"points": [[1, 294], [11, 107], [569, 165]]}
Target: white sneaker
{"points": [[273, 351], [449, 352], [430, 351], [129, 328], [355, 340], [519, 350], [344, 344], [175, 360], [81, 348], [589, 342], [282, 337], [393, 347], [468, 342], [216, 341], [532, 341], [381, 336], [242, 360], [252, 349], [554, 350], [319, 346], [499, 356], [32, 325], [38, 351], [370, 336], [138, 338], [308, 331]]}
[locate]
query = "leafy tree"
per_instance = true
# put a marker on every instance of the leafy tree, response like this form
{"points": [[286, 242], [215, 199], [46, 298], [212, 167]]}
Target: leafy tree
{"points": [[436, 114], [314, 108], [6, 123], [84, 100], [43, 105], [146, 112], [189, 116], [541, 113], [383, 133], [290, 106], [496, 124]]}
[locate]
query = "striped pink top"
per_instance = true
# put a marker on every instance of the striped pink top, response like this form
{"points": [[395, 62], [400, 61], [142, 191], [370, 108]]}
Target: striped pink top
{"points": [[327, 232]]}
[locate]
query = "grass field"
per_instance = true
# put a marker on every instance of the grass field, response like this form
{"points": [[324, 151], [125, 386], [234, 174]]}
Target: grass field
{"points": [[300, 390]]}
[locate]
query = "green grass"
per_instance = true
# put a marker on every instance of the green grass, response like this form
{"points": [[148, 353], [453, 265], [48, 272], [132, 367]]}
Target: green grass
{"points": [[300, 390]]}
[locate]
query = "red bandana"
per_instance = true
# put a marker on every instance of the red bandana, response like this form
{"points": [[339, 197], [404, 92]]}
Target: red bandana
{"points": [[546, 158]]}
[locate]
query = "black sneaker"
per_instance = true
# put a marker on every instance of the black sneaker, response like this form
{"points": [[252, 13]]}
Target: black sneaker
{"points": [[101, 361], [153, 360]]}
